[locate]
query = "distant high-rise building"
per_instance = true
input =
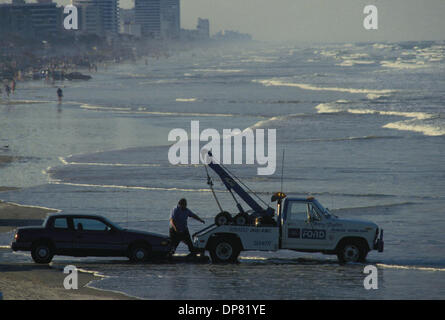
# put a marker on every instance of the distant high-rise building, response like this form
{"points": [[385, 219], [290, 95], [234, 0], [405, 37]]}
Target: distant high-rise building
{"points": [[203, 28], [158, 18], [170, 18], [98, 16], [30, 19], [148, 15]]}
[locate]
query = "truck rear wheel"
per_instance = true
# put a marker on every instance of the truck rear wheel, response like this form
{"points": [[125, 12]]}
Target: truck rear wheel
{"points": [[42, 252], [352, 251], [224, 250]]}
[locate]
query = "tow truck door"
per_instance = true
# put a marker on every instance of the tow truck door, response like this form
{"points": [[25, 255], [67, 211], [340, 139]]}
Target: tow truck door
{"points": [[298, 230]]}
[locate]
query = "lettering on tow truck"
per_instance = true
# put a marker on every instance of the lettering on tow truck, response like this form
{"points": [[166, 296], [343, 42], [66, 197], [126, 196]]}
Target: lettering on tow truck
{"points": [[313, 234], [239, 229], [260, 243]]}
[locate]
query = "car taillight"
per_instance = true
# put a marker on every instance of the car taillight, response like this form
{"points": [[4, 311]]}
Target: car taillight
{"points": [[16, 236]]}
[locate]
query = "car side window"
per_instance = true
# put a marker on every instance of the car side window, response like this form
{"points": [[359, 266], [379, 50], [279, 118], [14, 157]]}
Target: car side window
{"points": [[297, 211], [87, 224], [60, 223]]}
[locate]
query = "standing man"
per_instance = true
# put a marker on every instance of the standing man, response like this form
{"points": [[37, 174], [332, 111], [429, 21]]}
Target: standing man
{"points": [[178, 226], [60, 94]]}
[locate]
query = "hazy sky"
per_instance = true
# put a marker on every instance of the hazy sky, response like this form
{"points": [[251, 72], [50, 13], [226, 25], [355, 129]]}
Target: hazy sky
{"points": [[316, 20]]}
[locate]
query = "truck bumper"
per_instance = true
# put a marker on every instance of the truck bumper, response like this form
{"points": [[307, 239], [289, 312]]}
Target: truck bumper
{"points": [[379, 243], [21, 246]]}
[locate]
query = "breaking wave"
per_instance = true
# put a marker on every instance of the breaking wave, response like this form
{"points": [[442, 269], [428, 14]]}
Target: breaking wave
{"points": [[185, 99], [347, 139], [63, 160], [304, 86], [417, 122]]}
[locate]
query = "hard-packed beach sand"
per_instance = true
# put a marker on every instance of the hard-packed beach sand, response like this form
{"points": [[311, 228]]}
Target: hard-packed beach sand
{"points": [[13, 215], [19, 281]]}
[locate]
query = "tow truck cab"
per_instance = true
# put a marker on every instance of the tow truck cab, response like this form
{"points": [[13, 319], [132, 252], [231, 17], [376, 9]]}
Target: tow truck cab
{"points": [[305, 225]]}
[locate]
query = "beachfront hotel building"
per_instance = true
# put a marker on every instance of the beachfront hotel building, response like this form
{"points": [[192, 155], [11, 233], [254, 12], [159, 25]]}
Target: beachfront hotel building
{"points": [[99, 17], [28, 20], [158, 18]]}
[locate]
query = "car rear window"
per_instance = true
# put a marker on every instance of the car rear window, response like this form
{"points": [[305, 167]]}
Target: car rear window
{"points": [[60, 223]]}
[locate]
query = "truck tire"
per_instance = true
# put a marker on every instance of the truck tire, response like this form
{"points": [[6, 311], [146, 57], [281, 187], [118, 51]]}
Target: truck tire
{"points": [[42, 252], [224, 250], [352, 251], [223, 218], [139, 252], [241, 219]]}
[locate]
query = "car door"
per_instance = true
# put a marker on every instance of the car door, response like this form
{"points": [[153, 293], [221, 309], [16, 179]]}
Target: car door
{"points": [[303, 228], [96, 238], [62, 235]]}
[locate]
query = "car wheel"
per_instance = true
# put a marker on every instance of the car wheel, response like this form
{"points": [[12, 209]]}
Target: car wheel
{"points": [[223, 218], [224, 250], [140, 253], [42, 252], [352, 251]]}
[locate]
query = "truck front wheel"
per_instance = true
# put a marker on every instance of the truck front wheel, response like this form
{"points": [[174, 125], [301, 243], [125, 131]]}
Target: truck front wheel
{"points": [[352, 251], [224, 250]]}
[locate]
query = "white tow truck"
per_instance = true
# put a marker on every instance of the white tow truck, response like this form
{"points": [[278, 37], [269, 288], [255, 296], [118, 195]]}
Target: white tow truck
{"points": [[300, 224]]}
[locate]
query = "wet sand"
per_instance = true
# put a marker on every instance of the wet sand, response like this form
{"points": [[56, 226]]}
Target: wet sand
{"points": [[42, 282], [14, 215]]}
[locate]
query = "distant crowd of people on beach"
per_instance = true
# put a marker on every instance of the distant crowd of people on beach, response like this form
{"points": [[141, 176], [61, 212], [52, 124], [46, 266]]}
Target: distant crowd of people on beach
{"points": [[9, 88]]}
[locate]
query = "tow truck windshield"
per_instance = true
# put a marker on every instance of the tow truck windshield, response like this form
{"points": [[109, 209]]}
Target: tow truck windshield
{"points": [[320, 210]]}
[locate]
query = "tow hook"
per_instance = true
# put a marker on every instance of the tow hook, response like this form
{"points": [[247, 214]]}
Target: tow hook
{"points": [[379, 244]]}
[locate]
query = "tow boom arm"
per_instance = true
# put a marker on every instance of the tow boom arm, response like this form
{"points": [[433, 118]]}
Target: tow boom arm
{"points": [[232, 185]]}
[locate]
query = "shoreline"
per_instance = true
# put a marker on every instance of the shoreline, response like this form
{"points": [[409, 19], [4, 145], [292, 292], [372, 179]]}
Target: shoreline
{"points": [[40, 281], [44, 282]]}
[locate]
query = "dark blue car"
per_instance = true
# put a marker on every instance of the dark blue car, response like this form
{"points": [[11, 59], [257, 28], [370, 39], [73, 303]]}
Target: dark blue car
{"points": [[88, 235]]}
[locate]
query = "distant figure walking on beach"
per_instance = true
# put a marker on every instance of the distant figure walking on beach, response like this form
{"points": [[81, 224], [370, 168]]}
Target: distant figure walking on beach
{"points": [[13, 86], [59, 94], [7, 90]]}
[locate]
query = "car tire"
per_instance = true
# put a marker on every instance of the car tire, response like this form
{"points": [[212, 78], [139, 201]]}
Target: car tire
{"points": [[352, 251], [139, 253], [223, 218], [241, 219], [224, 250], [42, 252]]}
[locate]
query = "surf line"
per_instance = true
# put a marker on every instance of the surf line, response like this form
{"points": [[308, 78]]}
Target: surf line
{"points": [[128, 187]]}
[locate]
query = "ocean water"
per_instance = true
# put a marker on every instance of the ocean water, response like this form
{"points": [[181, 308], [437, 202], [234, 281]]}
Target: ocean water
{"points": [[362, 127]]}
